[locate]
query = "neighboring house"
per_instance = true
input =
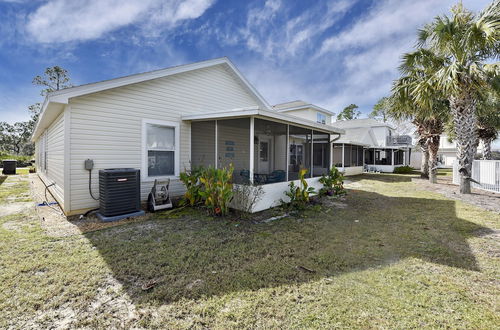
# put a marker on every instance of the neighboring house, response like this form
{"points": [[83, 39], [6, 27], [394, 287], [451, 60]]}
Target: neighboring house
{"points": [[306, 110], [366, 145], [163, 122], [447, 154], [384, 150]]}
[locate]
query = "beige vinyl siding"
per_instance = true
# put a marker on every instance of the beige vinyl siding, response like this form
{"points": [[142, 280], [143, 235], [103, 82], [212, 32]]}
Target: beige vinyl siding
{"points": [[55, 158], [107, 126]]}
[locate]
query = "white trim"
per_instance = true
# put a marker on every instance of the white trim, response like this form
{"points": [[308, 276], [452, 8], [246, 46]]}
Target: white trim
{"points": [[268, 115], [67, 159], [144, 155], [252, 150], [216, 144], [287, 151], [307, 106]]}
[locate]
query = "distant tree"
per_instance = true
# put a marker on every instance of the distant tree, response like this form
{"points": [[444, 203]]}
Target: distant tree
{"points": [[349, 113], [53, 79], [380, 110], [15, 138]]}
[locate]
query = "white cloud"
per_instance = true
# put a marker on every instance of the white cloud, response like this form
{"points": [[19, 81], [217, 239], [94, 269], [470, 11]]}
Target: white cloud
{"points": [[268, 30], [67, 20]]}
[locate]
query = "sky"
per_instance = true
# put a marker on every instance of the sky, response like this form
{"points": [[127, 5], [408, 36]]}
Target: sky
{"points": [[330, 53]]}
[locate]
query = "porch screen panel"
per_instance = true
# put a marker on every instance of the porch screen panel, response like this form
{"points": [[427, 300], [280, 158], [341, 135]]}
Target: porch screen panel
{"points": [[354, 155], [398, 157], [347, 155], [321, 153], [337, 155], [360, 156], [233, 147], [383, 156], [369, 157], [269, 151], [299, 151], [202, 144]]}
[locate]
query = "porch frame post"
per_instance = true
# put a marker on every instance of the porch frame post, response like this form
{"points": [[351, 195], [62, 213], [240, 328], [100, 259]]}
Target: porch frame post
{"points": [[392, 158], [287, 150], [216, 147], [312, 147], [250, 167], [343, 165]]}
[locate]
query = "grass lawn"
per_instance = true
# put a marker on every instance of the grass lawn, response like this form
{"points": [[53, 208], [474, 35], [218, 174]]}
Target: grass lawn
{"points": [[389, 256]]}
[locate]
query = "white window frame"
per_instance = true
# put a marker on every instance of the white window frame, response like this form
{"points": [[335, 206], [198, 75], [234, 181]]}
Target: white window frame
{"points": [[144, 153], [322, 116]]}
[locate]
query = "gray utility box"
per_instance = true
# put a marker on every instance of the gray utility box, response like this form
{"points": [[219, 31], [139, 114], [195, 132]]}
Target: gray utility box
{"points": [[9, 166], [119, 193]]}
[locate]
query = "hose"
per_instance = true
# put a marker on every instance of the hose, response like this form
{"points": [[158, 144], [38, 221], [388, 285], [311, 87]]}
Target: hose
{"points": [[90, 211], [90, 185]]}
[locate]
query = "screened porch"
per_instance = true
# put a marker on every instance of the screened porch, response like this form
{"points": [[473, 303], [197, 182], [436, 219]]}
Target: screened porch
{"points": [[262, 151]]}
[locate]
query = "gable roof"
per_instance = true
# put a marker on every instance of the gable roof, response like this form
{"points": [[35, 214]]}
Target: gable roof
{"points": [[54, 102], [358, 136], [299, 105], [360, 123]]}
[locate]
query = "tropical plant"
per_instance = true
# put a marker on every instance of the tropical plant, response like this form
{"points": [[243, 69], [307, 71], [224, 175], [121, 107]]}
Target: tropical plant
{"points": [[333, 183], [429, 118], [299, 195], [462, 44], [217, 190], [191, 180], [349, 113]]}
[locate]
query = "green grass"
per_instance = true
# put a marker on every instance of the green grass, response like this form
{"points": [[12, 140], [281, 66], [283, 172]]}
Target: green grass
{"points": [[393, 257]]}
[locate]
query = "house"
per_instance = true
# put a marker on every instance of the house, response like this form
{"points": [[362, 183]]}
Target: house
{"points": [[447, 154], [163, 122], [367, 144], [383, 148]]}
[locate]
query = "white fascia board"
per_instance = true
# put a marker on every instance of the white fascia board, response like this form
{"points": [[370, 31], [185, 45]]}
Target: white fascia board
{"points": [[308, 106], [352, 142], [245, 112], [252, 111]]}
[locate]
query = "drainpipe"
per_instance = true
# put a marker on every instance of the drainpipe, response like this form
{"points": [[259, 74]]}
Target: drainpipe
{"points": [[331, 148]]}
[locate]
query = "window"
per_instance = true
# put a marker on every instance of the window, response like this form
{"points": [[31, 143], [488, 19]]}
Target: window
{"points": [[161, 140], [321, 118], [42, 152]]}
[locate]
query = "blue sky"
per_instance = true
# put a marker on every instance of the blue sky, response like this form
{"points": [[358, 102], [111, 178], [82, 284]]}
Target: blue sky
{"points": [[330, 53]]}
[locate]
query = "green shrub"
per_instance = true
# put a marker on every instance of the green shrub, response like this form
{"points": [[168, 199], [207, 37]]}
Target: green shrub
{"points": [[403, 170], [299, 195], [217, 190], [333, 183], [191, 179]]}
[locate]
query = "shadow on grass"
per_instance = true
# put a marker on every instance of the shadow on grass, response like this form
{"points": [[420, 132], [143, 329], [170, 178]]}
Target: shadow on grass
{"points": [[2, 178], [383, 177], [193, 256]]}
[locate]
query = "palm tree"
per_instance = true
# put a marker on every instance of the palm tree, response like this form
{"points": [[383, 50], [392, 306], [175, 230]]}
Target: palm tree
{"points": [[462, 43], [488, 121], [430, 116]]}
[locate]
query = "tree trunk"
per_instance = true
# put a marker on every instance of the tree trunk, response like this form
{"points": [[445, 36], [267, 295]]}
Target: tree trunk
{"points": [[463, 109], [424, 168], [433, 146], [487, 148]]}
